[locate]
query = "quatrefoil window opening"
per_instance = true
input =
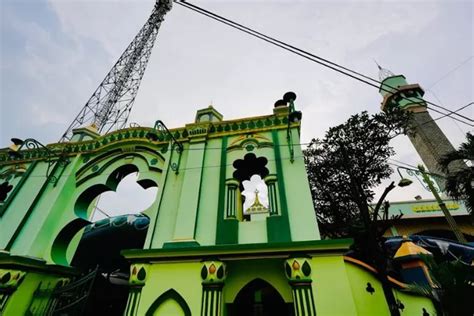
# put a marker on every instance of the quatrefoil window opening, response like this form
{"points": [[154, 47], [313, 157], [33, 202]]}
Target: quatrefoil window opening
{"points": [[129, 198], [253, 189], [250, 173]]}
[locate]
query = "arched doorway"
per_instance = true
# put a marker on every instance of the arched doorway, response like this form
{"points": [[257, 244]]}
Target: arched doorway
{"points": [[99, 246], [259, 298]]}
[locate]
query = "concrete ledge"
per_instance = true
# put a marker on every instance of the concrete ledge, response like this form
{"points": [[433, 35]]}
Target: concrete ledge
{"points": [[248, 251], [25, 263]]}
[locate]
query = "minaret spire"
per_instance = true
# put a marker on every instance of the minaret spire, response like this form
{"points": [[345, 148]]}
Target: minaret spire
{"points": [[383, 72]]}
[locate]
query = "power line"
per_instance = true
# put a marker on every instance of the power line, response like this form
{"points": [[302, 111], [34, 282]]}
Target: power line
{"points": [[440, 102], [404, 163], [450, 72], [310, 56], [218, 18], [102, 211], [268, 40], [96, 207], [180, 169], [397, 163], [448, 114]]}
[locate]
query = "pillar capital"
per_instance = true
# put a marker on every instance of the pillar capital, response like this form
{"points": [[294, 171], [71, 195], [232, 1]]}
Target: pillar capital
{"points": [[298, 270], [213, 275], [213, 272], [271, 178], [138, 274], [11, 279], [232, 183]]}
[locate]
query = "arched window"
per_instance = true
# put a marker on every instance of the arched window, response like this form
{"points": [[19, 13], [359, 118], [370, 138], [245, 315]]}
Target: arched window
{"points": [[248, 193], [256, 195]]}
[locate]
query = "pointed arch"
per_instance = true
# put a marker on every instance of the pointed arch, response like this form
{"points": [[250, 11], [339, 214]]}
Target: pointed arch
{"points": [[173, 295], [260, 294]]}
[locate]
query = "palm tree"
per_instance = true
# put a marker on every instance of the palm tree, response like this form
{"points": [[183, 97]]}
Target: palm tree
{"points": [[460, 180], [452, 287]]}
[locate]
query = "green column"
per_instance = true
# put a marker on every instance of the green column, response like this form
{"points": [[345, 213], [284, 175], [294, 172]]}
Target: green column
{"points": [[213, 274], [189, 200], [138, 276], [298, 272], [270, 181], [232, 198]]}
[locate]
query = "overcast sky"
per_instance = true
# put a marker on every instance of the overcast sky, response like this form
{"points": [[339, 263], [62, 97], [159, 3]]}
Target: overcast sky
{"points": [[55, 53]]}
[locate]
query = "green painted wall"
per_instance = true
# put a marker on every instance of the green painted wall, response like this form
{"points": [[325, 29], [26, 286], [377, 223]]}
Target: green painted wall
{"points": [[11, 221], [184, 278], [375, 304], [207, 220], [331, 287], [339, 288], [21, 300], [367, 304], [414, 304], [300, 204], [170, 307], [45, 219]]}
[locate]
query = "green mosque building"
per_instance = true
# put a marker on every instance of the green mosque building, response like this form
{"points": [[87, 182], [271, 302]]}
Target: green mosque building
{"points": [[232, 230]]}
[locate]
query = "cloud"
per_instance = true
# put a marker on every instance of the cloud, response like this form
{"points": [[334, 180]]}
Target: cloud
{"points": [[111, 23], [55, 54]]}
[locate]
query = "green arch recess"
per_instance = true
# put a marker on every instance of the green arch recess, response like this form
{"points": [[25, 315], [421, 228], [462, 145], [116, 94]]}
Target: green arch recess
{"points": [[81, 176], [170, 294]]}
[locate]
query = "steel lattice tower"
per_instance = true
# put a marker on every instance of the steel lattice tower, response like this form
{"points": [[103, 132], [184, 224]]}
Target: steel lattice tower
{"points": [[110, 105]]}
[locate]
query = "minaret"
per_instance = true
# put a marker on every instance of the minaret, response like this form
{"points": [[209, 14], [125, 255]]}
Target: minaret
{"points": [[425, 135]]}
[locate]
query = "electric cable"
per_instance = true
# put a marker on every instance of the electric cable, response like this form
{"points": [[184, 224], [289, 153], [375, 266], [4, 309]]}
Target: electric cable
{"points": [[314, 58], [274, 43], [404, 163], [180, 169], [448, 114], [450, 72], [398, 163], [440, 102], [101, 211]]}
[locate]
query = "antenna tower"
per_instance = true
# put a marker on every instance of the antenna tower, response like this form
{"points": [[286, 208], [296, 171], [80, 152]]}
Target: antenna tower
{"points": [[110, 105]]}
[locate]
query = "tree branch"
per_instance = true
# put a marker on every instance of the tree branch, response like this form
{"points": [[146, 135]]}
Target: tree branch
{"points": [[380, 201]]}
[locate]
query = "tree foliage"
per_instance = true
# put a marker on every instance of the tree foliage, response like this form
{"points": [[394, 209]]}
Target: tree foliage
{"points": [[453, 286], [346, 165], [343, 169], [460, 179]]}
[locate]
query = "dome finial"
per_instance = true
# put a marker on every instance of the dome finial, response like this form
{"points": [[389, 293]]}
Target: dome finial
{"points": [[257, 206], [383, 73]]}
